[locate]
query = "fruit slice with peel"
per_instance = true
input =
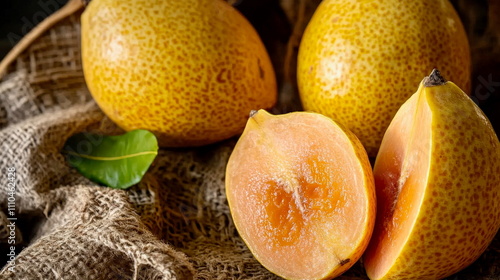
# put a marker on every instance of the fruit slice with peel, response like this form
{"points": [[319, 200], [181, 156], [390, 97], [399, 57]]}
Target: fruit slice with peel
{"points": [[301, 193], [437, 177]]}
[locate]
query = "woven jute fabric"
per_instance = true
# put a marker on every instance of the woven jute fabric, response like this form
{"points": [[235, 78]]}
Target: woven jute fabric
{"points": [[174, 224]]}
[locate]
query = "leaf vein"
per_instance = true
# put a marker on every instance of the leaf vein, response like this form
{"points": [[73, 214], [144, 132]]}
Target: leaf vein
{"points": [[111, 158]]}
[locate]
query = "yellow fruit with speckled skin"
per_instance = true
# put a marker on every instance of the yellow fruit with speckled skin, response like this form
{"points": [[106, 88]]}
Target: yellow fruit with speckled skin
{"points": [[360, 60], [190, 71], [437, 177]]}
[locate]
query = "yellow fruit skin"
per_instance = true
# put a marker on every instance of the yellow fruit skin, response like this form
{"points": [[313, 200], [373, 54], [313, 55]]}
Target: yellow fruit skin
{"points": [[190, 71], [360, 60], [459, 214]]}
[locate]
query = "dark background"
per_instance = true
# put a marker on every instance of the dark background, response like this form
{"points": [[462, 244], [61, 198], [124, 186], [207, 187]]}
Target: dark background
{"points": [[17, 17]]}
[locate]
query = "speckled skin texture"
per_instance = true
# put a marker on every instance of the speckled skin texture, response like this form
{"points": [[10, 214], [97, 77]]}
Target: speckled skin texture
{"points": [[301, 193], [454, 211], [360, 60], [190, 70]]}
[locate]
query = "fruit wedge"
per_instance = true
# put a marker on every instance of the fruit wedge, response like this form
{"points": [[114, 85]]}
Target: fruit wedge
{"points": [[437, 178], [301, 193]]}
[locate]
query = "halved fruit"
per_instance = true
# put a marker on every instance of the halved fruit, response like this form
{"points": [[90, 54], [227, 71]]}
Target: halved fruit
{"points": [[301, 193], [437, 177]]}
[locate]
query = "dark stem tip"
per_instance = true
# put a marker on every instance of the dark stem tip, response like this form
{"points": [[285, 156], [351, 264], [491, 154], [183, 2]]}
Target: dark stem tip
{"points": [[252, 113], [434, 79]]}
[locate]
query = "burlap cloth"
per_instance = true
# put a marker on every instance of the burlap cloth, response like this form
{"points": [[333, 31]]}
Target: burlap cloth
{"points": [[175, 224]]}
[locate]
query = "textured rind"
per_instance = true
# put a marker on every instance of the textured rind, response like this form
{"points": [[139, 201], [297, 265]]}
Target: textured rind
{"points": [[460, 212], [242, 152], [370, 193], [360, 60], [190, 71]]}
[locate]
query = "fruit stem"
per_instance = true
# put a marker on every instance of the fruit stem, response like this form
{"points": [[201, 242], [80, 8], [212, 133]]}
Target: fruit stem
{"points": [[434, 79]]}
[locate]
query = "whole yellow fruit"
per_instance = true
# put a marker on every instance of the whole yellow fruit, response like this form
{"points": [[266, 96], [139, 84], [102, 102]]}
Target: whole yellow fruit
{"points": [[190, 71], [359, 61]]}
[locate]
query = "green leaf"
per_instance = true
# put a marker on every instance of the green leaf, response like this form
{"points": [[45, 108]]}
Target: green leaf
{"points": [[115, 161]]}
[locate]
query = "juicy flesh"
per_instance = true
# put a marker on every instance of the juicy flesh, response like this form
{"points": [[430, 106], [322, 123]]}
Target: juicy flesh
{"points": [[288, 209], [400, 173], [305, 216]]}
